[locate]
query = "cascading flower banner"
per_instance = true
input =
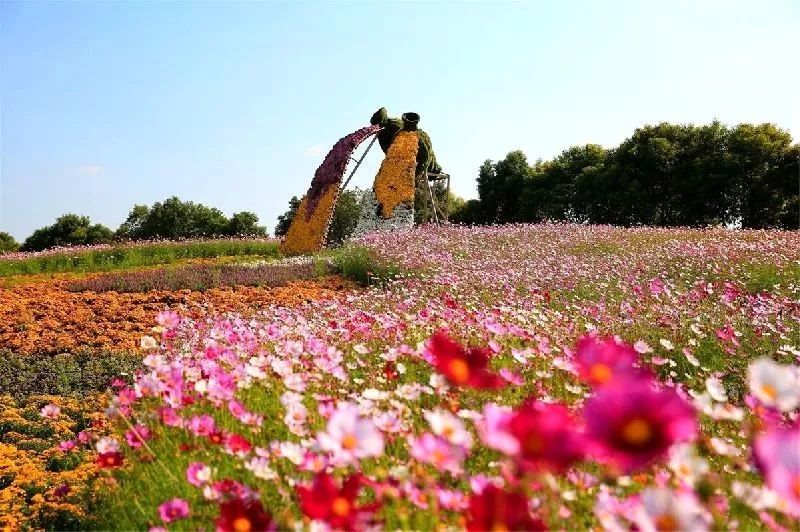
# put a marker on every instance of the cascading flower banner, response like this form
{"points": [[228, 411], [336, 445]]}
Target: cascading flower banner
{"points": [[394, 184], [310, 225]]}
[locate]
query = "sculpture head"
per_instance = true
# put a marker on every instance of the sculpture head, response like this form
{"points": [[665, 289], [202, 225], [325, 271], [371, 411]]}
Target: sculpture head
{"points": [[380, 117], [410, 121]]}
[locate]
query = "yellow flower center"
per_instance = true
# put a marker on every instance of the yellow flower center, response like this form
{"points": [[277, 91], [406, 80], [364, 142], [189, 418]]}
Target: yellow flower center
{"points": [[600, 373], [242, 524], [459, 371], [769, 391], [637, 432], [349, 442], [499, 526], [796, 486], [340, 507], [666, 523]]}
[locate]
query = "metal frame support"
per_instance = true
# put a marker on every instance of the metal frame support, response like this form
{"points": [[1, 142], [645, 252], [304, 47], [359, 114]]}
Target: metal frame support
{"points": [[358, 163]]}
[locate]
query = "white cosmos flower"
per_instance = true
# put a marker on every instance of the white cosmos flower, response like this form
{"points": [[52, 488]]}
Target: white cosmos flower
{"points": [[669, 346], [775, 385], [107, 445], [350, 437], [664, 509], [148, 342], [447, 426], [716, 390], [686, 464]]}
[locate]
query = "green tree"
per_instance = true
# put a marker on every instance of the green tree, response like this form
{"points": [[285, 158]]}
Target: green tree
{"points": [[68, 230], [131, 228], [7, 243], [245, 224], [345, 217], [175, 219], [285, 220]]}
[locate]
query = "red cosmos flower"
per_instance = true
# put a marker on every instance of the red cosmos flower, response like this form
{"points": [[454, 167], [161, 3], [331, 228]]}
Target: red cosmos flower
{"points": [[601, 360], [337, 507], [217, 437], [497, 509], [631, 424], [463, 366], [109, 460], [237, 444], [390, 371], [547, 436], [237, 515]]}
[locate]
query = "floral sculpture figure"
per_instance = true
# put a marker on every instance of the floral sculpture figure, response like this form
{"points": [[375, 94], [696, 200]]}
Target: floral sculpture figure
{"points": [[309, 228], [390, 204]]}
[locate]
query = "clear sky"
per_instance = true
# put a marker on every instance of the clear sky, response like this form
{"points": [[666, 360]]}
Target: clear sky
{"points": [[109, 104]]}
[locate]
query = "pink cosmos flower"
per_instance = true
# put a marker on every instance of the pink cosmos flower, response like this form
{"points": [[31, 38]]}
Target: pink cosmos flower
{"points": [[630, 424], [202, 425], [198, 474], [438, 452], [350, 437], [107, 445], [168, 318], [601, 360], [66, 445], [50, 411], [137, 435], [494, 429], [777, 453], [173, 509]]}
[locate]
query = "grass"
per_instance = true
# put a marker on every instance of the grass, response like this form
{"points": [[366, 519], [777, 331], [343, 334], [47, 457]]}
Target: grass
{"points": [[125, 256], [362, 265]]}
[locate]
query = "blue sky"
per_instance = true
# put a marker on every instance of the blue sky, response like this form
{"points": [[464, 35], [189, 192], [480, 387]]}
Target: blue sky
{"points": [[104, 105]]}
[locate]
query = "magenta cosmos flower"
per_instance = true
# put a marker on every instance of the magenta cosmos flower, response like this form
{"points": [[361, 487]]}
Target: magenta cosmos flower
{"points": [[630, 424], [173, 509], [777, 453], [548, 436], [602, 360]]}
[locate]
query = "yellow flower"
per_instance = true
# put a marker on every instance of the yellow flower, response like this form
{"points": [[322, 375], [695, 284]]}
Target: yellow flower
{"points": [[394, 184], [307, 235]]}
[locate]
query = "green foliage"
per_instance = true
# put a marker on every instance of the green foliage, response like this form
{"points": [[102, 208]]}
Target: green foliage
{"points": [[175, 219], [68, 230], [285, 220], [345, 217], [664, 174], [124, 256], [7, 243], [245, 224], [67, 374], [363, 266]]}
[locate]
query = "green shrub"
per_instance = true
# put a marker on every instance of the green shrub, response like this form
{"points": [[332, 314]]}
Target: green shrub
{"points": [[363, 266], [67, 374], [68, 230], [7, 243]]}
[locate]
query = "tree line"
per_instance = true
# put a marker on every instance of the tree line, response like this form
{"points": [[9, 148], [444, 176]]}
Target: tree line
{"points": [[663, 175], [169, 219]]}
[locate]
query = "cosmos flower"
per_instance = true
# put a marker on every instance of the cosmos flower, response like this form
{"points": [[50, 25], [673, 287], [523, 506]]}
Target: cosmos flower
{"points": [[631, 425], [137, 435], [494, 429], [449, 427], [687, 466], [198, 474], [601, 360], [438, 452], [109, 460], [350, 437], [775, 385], [173, 509], [463, 366], [243, 515], [777, 454], [497, 509], [325, 501], [50, 411], [662, 509], [547, 435]]}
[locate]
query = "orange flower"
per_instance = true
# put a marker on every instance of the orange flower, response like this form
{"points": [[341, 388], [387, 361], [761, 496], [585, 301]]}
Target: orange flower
{"points": [[308, 234], [394, 184]]}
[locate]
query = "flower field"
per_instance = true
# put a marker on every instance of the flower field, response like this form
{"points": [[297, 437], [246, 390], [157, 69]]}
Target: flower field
{"points": [[516, 377]]}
